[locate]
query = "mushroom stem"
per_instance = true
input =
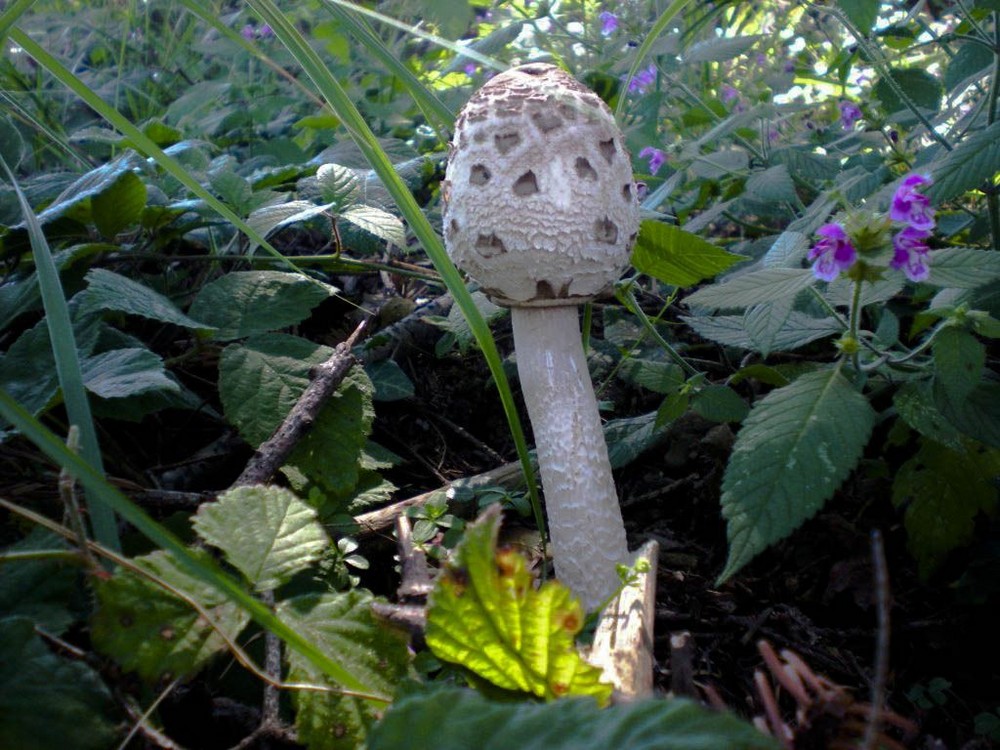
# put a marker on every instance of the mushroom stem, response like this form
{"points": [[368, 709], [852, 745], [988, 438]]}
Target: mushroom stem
{"points": [[581, 503]]}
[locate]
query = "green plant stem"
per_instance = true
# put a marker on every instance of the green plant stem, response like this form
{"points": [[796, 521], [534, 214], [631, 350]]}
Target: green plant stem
{"points": [[60, 555], [855, 321], [628, 296]]}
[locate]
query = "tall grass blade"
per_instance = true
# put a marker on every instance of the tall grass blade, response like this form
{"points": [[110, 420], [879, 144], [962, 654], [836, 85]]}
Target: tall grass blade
{"points": [[206, 572], [67, 360], [10, 16], [647, 44], [367, 142]]}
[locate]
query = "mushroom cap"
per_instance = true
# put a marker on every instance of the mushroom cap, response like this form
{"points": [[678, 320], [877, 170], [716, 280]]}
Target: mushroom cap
{"points": [[540, 204]]}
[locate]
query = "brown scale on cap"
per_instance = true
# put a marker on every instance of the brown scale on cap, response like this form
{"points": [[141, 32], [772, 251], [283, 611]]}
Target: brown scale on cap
{"points": [[539, 168]]}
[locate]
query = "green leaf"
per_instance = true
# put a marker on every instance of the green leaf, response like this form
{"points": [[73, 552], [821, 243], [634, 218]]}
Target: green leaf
{"points": [[119, 206], [391, 383], [676, 257], [452, 17], [342, 625], [970, 62], [329, 456], [752, 288], [11, 143], [48, 702], [943, 492], [42, 590], [243, 303], [719, 403], [266, 533], [149, 630], [977, 415], [120, 373], [260, 381], [377, 221], [923, 89], [92, 184], [796, 447], [629, 437], [959, 358], [653, 375], [973, 162], [914, 402], [269, 218], [797, 330], [862, 13], [446, 718], [486, 614], [964, 267], [772, 185], [108, 290], [337, 185]]}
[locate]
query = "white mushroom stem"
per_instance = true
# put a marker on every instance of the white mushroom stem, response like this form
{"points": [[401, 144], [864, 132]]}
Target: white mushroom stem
{"points": [[581, 503]]}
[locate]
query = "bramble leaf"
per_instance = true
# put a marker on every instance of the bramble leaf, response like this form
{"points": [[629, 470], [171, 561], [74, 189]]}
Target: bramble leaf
{"points": [[149, 630], [486, 615], [108, 290], [342, 625], [267, 533], [753, 288], [795, 448]]}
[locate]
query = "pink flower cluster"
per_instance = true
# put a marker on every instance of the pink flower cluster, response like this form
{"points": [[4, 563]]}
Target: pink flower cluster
{"points": [[834, 252]]}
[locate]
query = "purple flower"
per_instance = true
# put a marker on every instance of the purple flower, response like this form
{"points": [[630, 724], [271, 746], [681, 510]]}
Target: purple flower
{"points": [[247, 32], [609, 23], [850, 113], [911, 207], [642, 80], [656, 158], [911, 253], [833, 253], [727, 93], [470, 69], [266, 32]]}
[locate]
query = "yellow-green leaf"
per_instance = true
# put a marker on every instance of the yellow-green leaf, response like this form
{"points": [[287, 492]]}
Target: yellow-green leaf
{"points": [[486, 614]]}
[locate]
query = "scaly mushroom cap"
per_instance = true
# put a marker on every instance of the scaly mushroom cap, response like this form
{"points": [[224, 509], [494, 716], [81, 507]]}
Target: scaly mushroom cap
{"points": [[540, 205]]}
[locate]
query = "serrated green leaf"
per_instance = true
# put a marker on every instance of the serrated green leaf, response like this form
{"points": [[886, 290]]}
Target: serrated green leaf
{"points": [[944, 491], [342, 625], [119, 206], [42, 590], [863, 13], [629, 437], [970, 61], [329, 456], [89, 185], [337, 184], [719, 403], [722, 163], [48, 702], [485, 614], [244, 303], [391, 383], [977, 415], [676, 257], [656, 376], [767, 285], [915, 404], [805, 164], [959, 358], [794, 450], [377, 221], [968, 166], [267, 533], [923, 89], [772, 185], [152, 632], [262, 379], [120, 373], [107, 290], [964, 267], [447, 718], [267, 219], [798, 330], [764, 323]]}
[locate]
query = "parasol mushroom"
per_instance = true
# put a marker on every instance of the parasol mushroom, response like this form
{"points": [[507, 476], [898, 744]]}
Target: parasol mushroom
{"points": [[541, 209]]}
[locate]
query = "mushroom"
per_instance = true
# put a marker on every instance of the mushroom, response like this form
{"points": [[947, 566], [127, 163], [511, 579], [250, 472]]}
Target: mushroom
{"points": [[541, 210]]}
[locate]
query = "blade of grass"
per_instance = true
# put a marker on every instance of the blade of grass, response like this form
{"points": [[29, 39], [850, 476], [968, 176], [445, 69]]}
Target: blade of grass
{"points": [[67, 358], [141, 141], [461, 49], [437, 113], [367, 142], [647, 44], [203, 570], [10, 16]]}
